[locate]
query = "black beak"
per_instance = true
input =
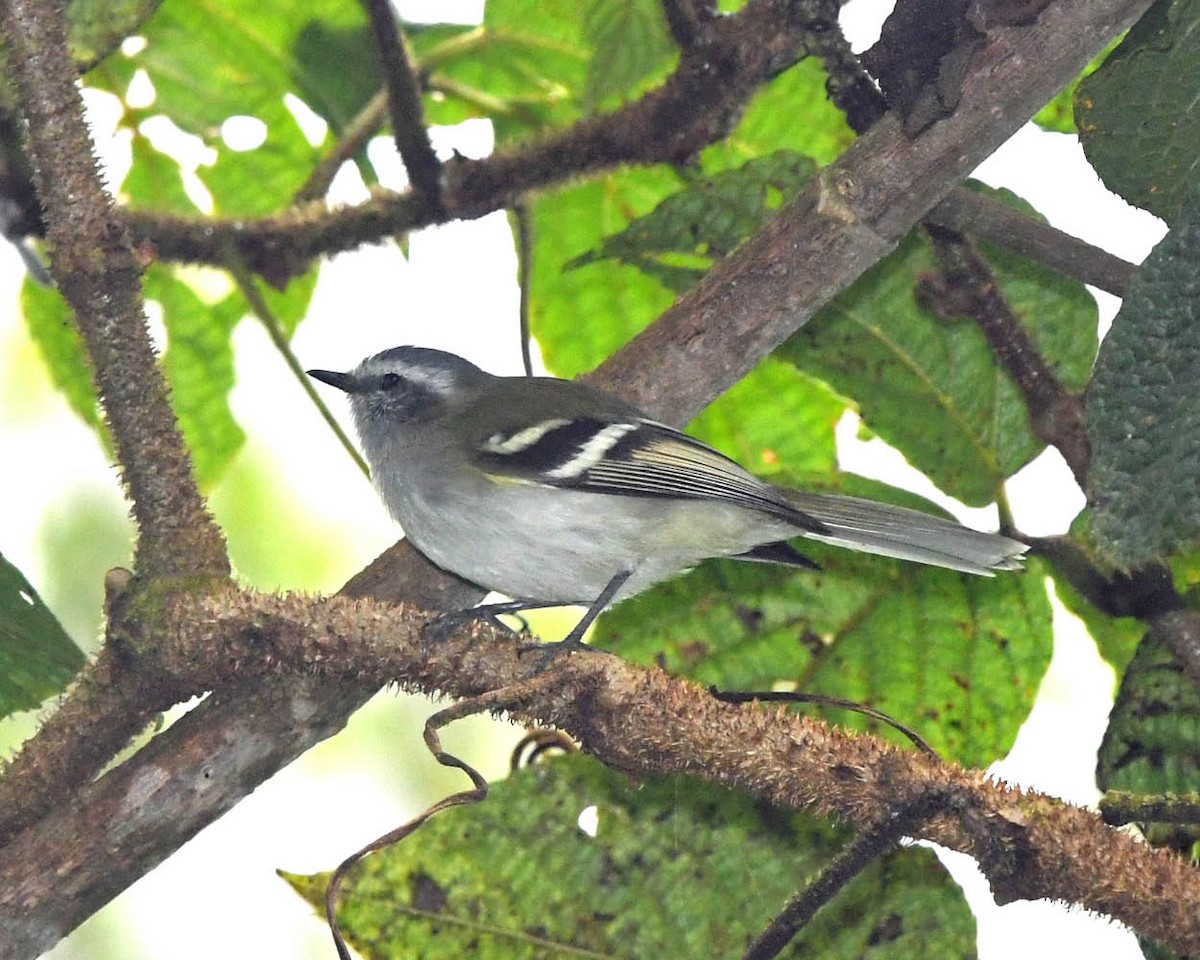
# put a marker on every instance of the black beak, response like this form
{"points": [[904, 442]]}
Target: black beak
{"points": [[343, 381]]}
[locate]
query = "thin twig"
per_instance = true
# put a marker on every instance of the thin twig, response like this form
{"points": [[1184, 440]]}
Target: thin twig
{"points": [[354, 138], [821, 699], [524, 227], [262, 310], [869, 846], [493, 700], [987, 218], [849, 86], [693, 108], [404, 103]]}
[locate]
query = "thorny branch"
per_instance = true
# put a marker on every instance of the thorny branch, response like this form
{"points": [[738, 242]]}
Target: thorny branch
{"points": [[633, 719], [97, 267]]}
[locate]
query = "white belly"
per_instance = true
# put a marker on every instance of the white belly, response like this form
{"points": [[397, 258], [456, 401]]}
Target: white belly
{"points": [[534, 543]]}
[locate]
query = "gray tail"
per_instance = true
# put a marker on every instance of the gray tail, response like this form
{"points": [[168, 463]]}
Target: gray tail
{"points": [[907, 534]]}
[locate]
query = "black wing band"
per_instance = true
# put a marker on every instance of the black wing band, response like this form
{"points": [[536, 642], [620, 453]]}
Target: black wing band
{"points": [[638, 458]]}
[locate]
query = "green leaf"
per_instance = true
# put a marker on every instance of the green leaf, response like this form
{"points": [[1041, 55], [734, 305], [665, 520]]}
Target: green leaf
{"points": [[772, 420], [791, 113], [581, 316], [96, 28], [526, 68], [260, 181], [51, 326], [1116, 638], [1143, 409], [681, 238], [198, 364], [155, 181], [37, 658], [1139, 114], [1058, 116], [1152, 744], [958, 657], [931, 387], [630, 45], [675, 869]]}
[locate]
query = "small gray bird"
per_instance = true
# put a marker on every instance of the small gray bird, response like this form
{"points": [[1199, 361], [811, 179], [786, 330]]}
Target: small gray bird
{"points": [[552, 492]]}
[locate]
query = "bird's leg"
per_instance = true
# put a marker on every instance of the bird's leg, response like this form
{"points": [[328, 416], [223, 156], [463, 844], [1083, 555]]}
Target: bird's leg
{"points": [[574, 639]]}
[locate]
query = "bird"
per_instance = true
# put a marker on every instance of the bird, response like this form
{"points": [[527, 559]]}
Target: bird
{"points": [[553, 492]]}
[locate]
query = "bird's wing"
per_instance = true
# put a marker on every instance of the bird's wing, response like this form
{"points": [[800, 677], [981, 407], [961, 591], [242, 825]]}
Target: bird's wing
{"points": [[629, 456]]}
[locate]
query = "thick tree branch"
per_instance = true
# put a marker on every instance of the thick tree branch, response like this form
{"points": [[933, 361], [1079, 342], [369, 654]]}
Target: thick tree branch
{"points": [[637, 720], [976, 214], [860, 207], [96, 267]]}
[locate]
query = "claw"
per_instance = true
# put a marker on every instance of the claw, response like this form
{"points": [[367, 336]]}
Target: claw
{"points": [[550, 652]]}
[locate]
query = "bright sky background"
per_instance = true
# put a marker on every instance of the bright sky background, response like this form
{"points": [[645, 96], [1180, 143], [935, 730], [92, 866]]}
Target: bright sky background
{"points": [[219, 895]]}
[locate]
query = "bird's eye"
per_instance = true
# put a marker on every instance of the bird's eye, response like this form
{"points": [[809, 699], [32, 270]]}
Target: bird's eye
{"points": [[390, 381]]}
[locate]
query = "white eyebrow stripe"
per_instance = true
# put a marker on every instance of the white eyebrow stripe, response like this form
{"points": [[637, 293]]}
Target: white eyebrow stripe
{"points": [[522, 439], [593, 451]]}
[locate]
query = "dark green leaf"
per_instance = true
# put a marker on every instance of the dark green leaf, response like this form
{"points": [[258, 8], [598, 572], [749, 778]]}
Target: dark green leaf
{"points": [[931, 387], [680, 239], [630, 43], [37, 658], [1139, 114], [956, 656], [1152, 744], [675, 869], [1143, 408], [1058, 116]]}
